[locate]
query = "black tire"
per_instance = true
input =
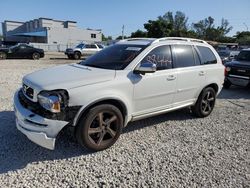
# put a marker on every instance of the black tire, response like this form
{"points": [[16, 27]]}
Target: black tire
{"points": [[226, 84], [77, 55], [35, 56], [3, 55], [205, 103], [100, 127], [70, 56]]}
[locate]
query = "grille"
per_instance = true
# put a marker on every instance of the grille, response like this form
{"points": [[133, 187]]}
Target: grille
{"points": [[28, 91], [34, 107]]}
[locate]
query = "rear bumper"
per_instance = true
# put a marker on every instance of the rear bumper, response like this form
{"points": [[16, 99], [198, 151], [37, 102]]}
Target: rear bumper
{"points": [[238, 80], [38, 129]]}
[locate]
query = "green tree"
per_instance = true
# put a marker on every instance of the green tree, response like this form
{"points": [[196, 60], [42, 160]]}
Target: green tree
{"points": [[206, 29], [139, 33], [177, 22], [168, 25], [120, 37], [243, 38], [106, 38]]}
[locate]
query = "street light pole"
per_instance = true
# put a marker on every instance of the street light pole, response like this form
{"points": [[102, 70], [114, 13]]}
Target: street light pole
{"points": [[122, 32]]}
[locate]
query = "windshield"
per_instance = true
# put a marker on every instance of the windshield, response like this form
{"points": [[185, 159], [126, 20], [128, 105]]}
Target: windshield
{"points": [[115, 57], [80, 45], [244, 56]]}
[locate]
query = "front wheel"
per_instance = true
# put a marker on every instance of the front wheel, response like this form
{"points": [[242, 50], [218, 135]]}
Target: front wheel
{"points": [[77, 55], [100, 127], [205, 103], [3, 55]]}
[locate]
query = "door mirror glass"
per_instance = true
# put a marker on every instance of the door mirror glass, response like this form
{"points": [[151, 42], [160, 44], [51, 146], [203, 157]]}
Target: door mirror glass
{"points": [[144, 68]]}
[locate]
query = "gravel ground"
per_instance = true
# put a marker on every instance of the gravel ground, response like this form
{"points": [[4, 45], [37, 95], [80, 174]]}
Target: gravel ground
{"points": [[171, 150]]}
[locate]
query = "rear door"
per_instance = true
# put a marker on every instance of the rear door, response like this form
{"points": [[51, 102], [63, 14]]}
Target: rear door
{"points": [[89, 49], [190, 74]]}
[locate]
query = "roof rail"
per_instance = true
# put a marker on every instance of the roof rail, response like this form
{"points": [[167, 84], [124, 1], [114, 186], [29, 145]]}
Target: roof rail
{"points": [[180, 39], [135, 39]]}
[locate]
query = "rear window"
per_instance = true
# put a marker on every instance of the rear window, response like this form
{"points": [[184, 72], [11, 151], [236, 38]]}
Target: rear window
{"points": [[244, 56], [207, 56]]}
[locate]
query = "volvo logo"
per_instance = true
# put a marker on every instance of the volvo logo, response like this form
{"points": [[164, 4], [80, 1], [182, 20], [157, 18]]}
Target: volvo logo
{"points": [[25, 88]]}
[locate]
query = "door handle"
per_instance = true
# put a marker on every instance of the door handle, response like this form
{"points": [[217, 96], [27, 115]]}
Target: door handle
{"points": [[201, 73], [171, 77]]}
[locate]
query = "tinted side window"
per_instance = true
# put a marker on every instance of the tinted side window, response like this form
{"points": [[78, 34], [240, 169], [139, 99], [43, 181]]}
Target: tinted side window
{"points": [[93, 46], [87, 46], [207, 56], [161, 56], [183, 56]]}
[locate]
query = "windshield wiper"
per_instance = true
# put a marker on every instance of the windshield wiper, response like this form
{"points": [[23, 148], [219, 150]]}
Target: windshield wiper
{"points": [[91, 65]]}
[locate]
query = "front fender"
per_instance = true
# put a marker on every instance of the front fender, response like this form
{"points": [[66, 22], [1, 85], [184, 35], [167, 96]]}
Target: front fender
{"points": [[124, 103]]}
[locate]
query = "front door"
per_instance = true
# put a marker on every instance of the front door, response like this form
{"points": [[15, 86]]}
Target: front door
{"points": [[155, 91]]}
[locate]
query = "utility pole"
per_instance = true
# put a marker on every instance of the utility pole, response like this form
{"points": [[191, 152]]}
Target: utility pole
{"points": [[122, 32]]}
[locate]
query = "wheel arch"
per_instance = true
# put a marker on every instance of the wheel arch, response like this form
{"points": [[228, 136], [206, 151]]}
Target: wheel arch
{"points": [[113, 101], [214, 86]]}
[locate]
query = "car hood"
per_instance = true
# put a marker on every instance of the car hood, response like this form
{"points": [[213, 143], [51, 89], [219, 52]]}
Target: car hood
{"points": [[67, 77], [236, 63]]}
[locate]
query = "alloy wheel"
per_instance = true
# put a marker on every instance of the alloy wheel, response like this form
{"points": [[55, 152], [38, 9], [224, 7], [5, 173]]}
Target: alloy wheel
{"points": [[103, 128], [207, 102]]}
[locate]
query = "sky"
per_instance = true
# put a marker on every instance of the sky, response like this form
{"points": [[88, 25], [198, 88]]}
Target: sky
{"points": [[111, 15]]}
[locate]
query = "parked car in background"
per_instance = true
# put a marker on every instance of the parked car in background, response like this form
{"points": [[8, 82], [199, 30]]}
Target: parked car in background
{"points": [[21, 51], [227, 55], [130, 80], [83, 50], [237, 72], [224, 55]]}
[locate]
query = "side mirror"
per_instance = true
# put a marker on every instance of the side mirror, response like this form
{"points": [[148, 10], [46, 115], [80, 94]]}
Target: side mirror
{"points": [[145, 68]]}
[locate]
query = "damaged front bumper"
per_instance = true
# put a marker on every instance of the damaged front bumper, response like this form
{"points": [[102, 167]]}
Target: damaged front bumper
{"points": [[38, 129]]}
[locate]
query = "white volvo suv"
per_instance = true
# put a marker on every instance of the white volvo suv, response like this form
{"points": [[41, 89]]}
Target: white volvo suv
{"points": [[131, 80]]}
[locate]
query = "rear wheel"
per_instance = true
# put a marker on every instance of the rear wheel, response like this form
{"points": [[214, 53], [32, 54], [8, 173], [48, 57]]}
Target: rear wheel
{"points": [[35, 56], [77, 55], [100, 127], [205, 103], [3, 55]]}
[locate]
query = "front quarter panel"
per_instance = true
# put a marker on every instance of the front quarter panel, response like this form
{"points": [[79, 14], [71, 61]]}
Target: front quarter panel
{"points": [[120, 88]]}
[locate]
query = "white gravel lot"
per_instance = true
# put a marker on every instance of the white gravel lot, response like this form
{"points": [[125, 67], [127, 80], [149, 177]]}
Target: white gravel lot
{"points": [[171, 150]]}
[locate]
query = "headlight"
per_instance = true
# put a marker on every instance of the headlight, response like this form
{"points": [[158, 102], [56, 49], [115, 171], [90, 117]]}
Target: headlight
{"points": [[51, 102]]}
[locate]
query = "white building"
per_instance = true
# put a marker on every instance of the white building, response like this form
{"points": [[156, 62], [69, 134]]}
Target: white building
{"points": [[49, 31]]}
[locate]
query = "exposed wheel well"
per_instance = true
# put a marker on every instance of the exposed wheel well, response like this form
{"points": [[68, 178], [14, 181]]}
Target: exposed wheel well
{"points": [[120, 105]]}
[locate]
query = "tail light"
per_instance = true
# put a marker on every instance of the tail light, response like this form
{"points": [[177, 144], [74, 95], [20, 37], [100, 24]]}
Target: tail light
{"points": [[227, 69]]}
